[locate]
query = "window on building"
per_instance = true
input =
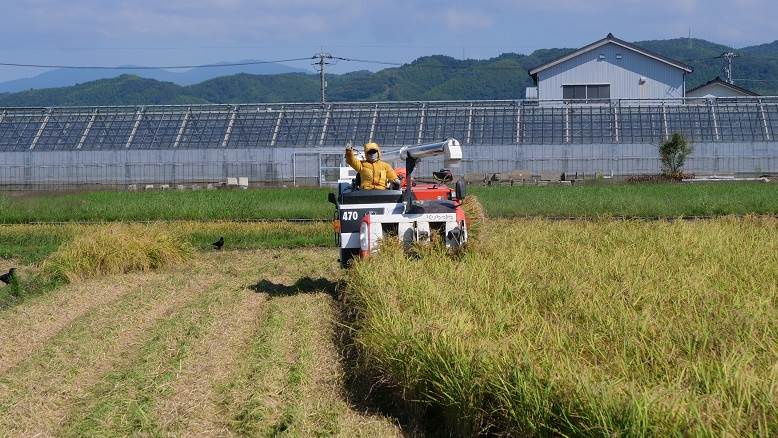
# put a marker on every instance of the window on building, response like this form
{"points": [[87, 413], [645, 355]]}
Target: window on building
{"points": [[586, 92]]}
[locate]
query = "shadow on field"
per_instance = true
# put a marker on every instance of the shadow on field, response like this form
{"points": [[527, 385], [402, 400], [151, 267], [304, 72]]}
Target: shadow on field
{"points": [[304, 285], [364, 388], [367, 390]]}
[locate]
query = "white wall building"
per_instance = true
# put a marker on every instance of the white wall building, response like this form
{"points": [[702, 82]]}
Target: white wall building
{"points": [[610, 69], [719, 88]]}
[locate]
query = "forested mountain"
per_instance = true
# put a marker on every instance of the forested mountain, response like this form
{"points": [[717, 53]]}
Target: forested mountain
{"points": [[427, 78]]}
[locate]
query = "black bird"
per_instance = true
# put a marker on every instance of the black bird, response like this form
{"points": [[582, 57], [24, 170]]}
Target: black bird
{"points": [[219, 243], [8, 277]]}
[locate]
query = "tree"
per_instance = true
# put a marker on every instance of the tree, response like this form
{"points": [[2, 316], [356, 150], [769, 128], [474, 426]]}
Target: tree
{"points": [[673, 154]]}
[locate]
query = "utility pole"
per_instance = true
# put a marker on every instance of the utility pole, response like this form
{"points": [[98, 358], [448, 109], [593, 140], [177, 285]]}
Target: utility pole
{"points": [[324, 59], [728, 57]]}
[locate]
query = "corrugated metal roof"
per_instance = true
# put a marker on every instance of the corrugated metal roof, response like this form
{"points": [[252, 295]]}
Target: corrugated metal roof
{"points": [[724, 83], [610, 39]]}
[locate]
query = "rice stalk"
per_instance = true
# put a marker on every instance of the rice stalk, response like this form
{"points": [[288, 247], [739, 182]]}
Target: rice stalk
{"points": [[583, 328], [115, 249]]}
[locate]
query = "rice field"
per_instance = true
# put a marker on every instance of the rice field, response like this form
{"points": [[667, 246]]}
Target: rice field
{"points": [[540, 327], [583, 328]]}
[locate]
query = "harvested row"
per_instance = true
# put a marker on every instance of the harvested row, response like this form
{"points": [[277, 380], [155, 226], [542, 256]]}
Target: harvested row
{"points": [[187, 351]]}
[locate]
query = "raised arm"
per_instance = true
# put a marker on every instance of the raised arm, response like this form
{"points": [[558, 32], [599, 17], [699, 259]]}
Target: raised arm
{"points": [[352, 160]]}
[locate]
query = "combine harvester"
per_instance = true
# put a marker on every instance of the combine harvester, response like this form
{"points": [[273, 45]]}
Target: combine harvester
{"points": [[412, 214]]}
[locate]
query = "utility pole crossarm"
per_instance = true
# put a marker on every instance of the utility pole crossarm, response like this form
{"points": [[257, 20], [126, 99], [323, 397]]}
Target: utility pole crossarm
{"points": [[728, 57], [324, 59]]}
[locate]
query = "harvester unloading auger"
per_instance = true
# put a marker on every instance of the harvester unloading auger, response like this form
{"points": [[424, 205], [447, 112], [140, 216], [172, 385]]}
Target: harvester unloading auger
{"points": [[412, 214]]}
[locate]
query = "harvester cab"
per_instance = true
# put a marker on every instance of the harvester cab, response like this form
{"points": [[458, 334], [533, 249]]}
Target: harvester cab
{"points": [[415, 212]]}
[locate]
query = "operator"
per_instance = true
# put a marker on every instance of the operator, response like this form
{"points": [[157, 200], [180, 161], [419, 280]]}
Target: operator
{"points": [[374, 174]]}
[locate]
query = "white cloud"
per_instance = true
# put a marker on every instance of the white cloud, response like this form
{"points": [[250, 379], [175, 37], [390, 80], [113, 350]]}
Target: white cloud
{"points": [[464, 19]]}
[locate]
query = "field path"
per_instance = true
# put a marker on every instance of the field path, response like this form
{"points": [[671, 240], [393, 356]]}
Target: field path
{"points": [[233, 343]]}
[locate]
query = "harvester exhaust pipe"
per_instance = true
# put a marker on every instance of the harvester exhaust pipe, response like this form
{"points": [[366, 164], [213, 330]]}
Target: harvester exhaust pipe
{"points": [[450, 149]]}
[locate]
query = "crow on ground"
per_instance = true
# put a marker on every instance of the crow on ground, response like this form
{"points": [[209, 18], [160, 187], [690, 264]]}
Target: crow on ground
{"points": [[219, 243], [8, 277]]}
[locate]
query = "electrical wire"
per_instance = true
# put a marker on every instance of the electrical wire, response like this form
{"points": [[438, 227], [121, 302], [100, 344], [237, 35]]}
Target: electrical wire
{"points": [[159, 67], [453, 67], [367, 61]]}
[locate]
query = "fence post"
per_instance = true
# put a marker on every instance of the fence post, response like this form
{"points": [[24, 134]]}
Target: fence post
{"points": [[182, 128], [714, 117], [87, 129], [764, 120], [230, 124], [469, 135], [138, 117], [373, 122], [665, 128], [277, 127], [421, 123], [40, 129], [615, 122], [324, 126], [519, 108]]}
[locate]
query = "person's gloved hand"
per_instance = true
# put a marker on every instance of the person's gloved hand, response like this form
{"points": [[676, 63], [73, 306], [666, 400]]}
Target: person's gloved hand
{"points": [[394, 185], [349, 147]]}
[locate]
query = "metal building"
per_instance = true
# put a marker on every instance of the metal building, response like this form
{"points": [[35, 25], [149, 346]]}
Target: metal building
{"points": [[609, 69], [719, 88]]}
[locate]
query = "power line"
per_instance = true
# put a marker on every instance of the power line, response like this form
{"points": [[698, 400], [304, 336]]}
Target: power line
{"points": [[158, 67], [367, 61]]}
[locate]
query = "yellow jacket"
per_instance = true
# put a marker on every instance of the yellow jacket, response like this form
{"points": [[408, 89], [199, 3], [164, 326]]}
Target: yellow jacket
{"points": [[373, 176]]}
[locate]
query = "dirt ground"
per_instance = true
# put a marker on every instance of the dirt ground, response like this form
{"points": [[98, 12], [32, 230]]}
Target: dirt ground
{"points": [[234, 343]]}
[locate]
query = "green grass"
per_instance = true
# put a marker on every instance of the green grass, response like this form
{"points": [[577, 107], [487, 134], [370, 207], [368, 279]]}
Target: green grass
{"points": [[584, 328], [203, 205], [28, 244], [659, 199], [634, 200]]}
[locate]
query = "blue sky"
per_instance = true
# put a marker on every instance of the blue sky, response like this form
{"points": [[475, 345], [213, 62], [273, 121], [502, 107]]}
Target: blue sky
{"points": [[148, 32]]}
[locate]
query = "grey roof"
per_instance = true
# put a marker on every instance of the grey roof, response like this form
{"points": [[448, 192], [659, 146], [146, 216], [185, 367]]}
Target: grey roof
{"points": [[610, 39], [724, 83]]}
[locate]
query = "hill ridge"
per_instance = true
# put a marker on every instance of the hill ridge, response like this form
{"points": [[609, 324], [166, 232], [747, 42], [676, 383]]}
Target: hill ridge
{"points": [[432, 77]]}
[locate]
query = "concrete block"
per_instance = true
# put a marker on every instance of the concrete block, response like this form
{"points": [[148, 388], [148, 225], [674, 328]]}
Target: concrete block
{"points": [[164, 186], [232, 181], [243, 182], [149, 187], [132, 187]]}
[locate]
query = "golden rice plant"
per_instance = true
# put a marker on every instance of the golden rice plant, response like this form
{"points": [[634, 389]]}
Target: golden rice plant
{"points": [[476, 216], [584, 328], [116, 249]]}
